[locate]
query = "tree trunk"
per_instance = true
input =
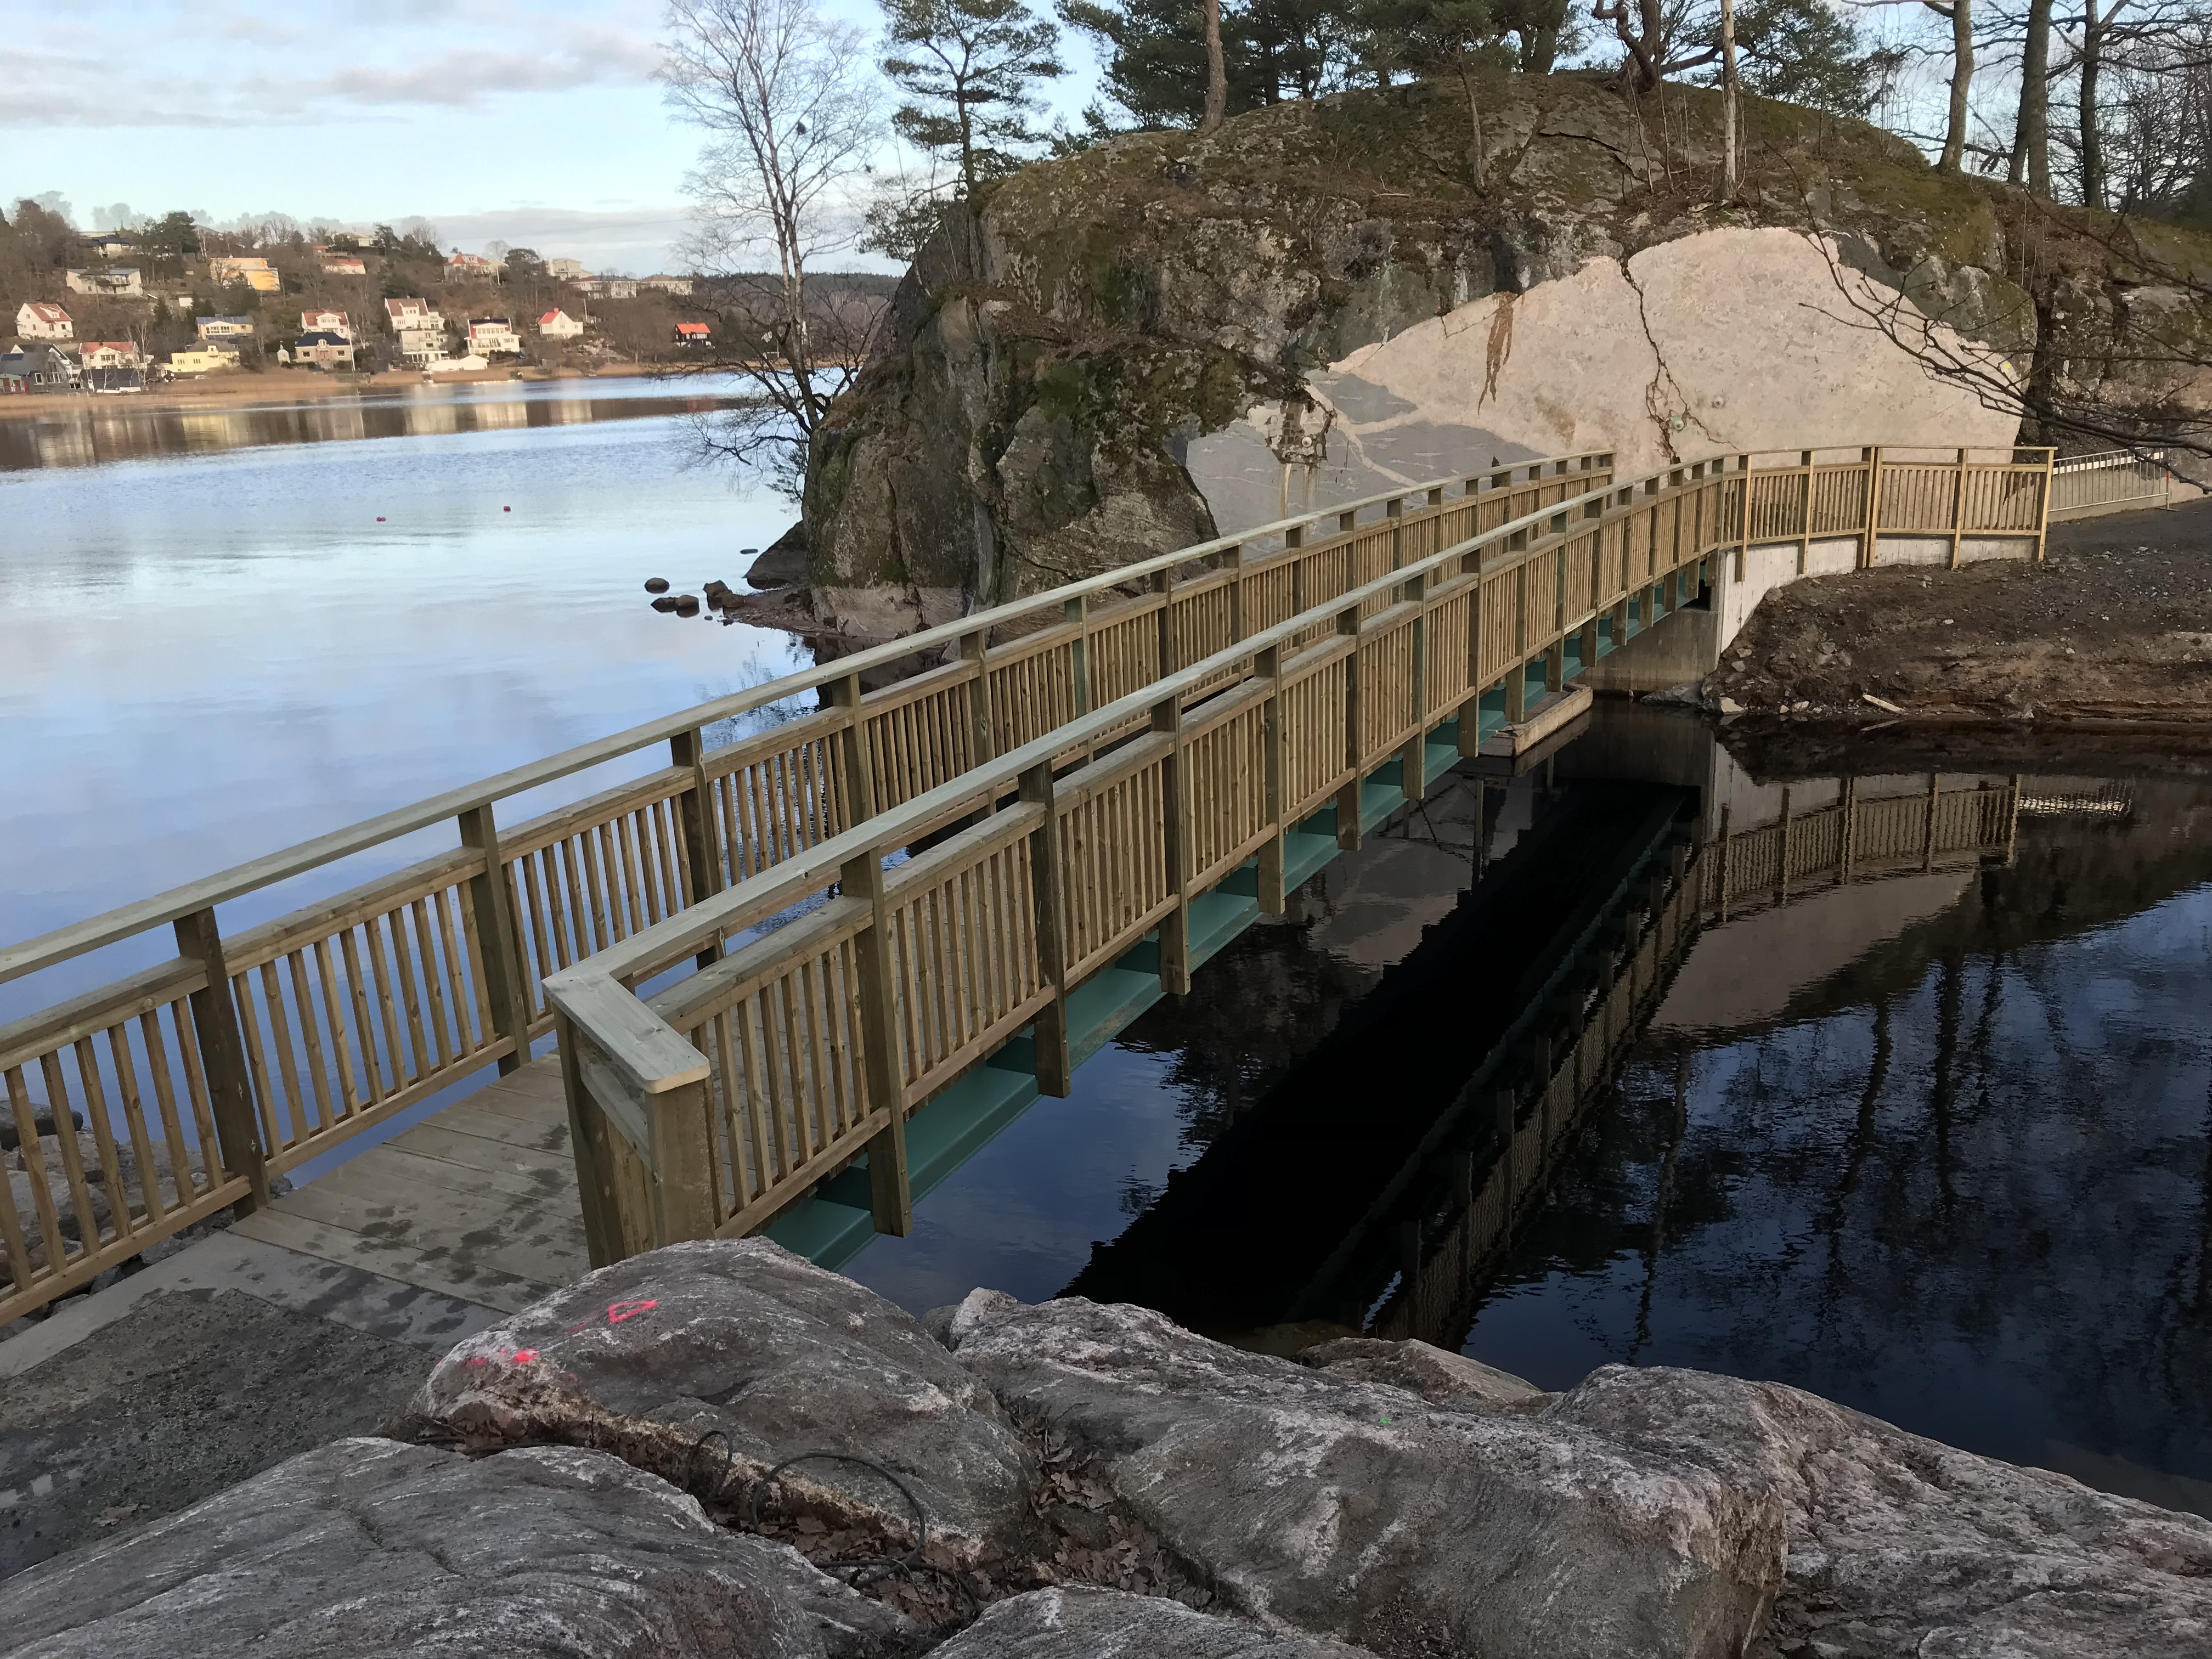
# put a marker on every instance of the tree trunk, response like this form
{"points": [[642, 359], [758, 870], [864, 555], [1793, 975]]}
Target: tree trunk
{"points": [[2093, 135], [1474, 124], [1727, 100], [1216, 70], [1962, 75], [2032, 143]]}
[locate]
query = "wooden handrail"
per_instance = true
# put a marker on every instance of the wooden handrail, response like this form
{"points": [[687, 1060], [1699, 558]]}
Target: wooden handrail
{"points": [[29, 955]]}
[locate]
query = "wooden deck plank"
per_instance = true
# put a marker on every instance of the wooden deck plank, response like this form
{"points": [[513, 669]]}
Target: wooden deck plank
{"points": [[473, 1152], [553, 1177], [398, 1188], [543, 1135], [479, 1282]]}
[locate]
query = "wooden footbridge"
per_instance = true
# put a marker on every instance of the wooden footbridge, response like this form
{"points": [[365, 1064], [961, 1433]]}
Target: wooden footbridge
{"points": [[796, 978]]}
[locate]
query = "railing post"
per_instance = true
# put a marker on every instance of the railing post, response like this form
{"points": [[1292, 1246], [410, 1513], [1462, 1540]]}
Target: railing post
{"points": [[682, 1128], [890, 1195], [1516, 680], [852, 744], [695, 811], [1413, 758], [1782, 862], [1163, 585], [491, 907], [1048, 905], [1348, 796], [1470, 708], [1850, 834], [1233, 561], [1928, 826], [1394, 510], [2043, 522], [595, 1153], [1175, 811], [1743, 543], [1873, 509], [1957, 507], [1268, 667], [981, 743], [223, 1060], [1294, 540]]}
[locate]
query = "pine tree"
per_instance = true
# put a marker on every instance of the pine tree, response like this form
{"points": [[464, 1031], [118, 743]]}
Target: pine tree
{"points": [[969, 68]]}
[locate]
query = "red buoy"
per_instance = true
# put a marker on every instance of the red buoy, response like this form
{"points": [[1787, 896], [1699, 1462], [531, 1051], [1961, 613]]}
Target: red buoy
{"points": [[379, 518], [507, 509]]}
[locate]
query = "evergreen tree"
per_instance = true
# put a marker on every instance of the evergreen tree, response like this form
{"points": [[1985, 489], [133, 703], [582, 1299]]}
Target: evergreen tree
{"points": [[1274, 50], [1440, 37], [969, 68]]}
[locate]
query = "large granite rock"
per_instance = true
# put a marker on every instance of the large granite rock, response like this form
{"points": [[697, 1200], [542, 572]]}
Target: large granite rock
{"points": [[743, 1339], [1899, 1545], [1355, 1510], [1438, 1375], [368, 1549], [1079, 1623]]}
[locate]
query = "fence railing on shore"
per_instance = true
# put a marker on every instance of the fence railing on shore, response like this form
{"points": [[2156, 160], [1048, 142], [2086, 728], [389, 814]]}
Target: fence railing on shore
{"points": [[2110, 480]]}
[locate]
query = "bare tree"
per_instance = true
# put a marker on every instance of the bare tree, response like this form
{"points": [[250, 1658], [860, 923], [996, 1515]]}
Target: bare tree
{"points": [[787, 96]]}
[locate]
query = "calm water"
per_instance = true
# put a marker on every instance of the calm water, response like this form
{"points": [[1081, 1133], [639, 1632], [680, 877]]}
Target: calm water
{"points": [[206, 657], [1938, 1146]]}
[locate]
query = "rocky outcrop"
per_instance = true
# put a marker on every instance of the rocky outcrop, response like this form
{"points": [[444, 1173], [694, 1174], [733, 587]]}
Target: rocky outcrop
{"points": [[1171, 335], [1901, 1545], [744, 1341], [1079, 1623], [369, 1547], [1438, 1375], [1351, 1510]]}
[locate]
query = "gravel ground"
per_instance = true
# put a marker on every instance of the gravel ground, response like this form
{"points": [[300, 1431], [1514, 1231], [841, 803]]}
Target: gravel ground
{"points": [[2113, 629]]}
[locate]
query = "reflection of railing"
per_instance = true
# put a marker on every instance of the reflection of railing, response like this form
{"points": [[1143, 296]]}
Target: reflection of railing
{"points": [[266, 1048], [1445, 1266], [2082, 486], [712, 1107]]}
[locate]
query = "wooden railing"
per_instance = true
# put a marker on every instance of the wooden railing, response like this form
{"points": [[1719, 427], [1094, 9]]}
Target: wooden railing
{"points": [[710, 1107], [1538, 1114], [245, 1056]]}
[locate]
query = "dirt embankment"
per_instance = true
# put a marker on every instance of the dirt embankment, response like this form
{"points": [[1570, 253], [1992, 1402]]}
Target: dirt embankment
{"points": [[2114, 626]]}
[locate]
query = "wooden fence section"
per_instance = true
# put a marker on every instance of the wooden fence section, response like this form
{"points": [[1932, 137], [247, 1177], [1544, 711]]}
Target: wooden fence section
{"points": [[285, 1041], [1536, 1122], [1129, 807]]}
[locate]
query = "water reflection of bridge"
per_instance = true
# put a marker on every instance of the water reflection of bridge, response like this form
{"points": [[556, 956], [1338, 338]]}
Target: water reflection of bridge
{"points": [[1393, 1215]]}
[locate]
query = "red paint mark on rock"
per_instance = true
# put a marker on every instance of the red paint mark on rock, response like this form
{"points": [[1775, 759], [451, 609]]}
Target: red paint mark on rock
{"points": [[618, 1311], [524, 1356]]}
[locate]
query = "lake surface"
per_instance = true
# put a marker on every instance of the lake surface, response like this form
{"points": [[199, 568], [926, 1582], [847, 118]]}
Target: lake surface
{"points": [[1938, 1146]]}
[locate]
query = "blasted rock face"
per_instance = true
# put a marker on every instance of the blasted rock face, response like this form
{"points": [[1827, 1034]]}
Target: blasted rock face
{"points": [[1081, 1623], [1900, 1545], [743, 1338], [366, 1549], [1356, 1511]]}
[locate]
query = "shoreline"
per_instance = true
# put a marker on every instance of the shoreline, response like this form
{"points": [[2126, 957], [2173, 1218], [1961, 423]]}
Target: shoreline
{"points": [[297, 385]]}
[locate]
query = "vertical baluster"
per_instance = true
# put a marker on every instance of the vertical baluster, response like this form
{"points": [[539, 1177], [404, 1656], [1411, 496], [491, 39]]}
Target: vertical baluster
{"points": [[1347, 794]]}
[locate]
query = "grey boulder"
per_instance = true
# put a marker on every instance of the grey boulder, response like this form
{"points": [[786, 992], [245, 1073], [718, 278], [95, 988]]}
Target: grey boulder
{"points": [[1356, 1512], [1438, 1375], [1899, 1545], [1080, 1623], [366, 1549], [780, 1357]]}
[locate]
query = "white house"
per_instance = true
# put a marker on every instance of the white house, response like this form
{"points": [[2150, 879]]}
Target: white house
{"points": [[609, 287], [111, 353], [35, 319], [488, 335], [567, 270], [121, 281], [412, 314], [344, 265], [668, 284], [224, 328], [326, 322], [559, 326], [206, 358], [469, 265], [324, 351]]}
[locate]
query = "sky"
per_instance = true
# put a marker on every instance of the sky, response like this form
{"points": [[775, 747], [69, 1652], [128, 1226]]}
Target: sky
{"points": [[535, 123]]}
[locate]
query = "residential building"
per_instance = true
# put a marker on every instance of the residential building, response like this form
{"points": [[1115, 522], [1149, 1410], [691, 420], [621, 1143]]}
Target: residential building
{"points": [[668, 284], [115, 281], [419, 346], [489, 334], [41, 368], [693, 334], [119, 378], [223, 328], [109, 244], [326, 322], [344, 265], [324, 351], [208, 358], [609, 287], [469, 265], [257, 274], [559, 326], [412, 315], [110, 354], [35, 319], [567, 270]]}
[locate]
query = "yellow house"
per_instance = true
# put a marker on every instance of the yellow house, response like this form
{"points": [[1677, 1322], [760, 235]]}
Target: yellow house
{"points": [[205, 358], [256, 273]]}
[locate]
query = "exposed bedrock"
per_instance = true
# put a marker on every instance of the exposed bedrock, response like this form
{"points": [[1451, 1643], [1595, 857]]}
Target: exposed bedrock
{"points": [[1172, 336], [1100, 1484]]}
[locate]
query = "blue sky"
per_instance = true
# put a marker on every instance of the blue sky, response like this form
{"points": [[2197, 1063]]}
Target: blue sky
{"points": [[533, 122]]}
